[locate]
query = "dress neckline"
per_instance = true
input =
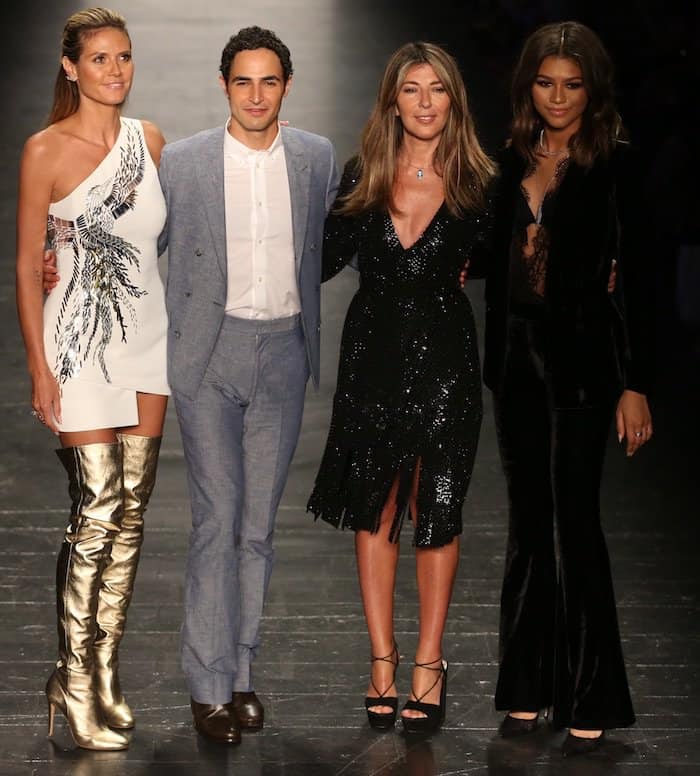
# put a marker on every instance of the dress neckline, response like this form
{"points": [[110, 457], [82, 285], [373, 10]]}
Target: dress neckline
{"points": [[421, 235], [117, 142]]}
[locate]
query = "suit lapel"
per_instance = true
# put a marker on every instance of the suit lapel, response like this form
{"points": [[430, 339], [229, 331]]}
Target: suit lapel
{"points": [[210, 177], [299, 175]]}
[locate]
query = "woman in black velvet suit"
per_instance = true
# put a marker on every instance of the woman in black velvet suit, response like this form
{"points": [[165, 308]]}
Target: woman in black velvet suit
{"points": [[564, 356]]}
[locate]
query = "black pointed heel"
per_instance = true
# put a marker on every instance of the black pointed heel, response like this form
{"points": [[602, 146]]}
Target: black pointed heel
{"points": [[575, 745], [383, 720], [513, 726], [434, 713]]}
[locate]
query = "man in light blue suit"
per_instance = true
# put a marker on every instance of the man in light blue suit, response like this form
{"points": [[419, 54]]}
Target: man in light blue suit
{"points": [[246, 206]]}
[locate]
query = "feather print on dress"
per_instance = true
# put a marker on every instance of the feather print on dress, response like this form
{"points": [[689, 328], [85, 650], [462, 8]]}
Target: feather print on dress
{"points": [[100, 289]]}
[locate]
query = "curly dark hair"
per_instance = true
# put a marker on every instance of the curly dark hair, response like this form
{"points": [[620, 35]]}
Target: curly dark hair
{"points": [[249, 39]]}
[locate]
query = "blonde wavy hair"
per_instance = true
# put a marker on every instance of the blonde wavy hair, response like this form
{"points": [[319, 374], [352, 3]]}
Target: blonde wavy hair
{"points": [[465, 169]]}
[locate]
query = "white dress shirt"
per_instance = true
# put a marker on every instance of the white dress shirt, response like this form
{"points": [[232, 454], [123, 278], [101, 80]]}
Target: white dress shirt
{"points": [[259, 239]]}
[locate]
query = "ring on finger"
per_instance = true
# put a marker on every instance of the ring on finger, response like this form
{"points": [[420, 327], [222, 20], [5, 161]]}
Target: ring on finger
{"points": [[639, 434]]}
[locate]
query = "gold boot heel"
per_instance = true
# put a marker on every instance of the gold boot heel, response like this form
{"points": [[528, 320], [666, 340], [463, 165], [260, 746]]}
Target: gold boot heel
{"points": [[52, 715], [139, 461], [73, 696]]}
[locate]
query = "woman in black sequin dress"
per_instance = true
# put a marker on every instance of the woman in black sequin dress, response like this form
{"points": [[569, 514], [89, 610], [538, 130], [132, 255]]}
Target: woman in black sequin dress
{"points": [[407, 408], [563, 356]]}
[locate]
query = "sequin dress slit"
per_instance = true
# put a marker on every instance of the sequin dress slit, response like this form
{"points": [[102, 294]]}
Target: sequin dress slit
{"points": [[408, 394]]}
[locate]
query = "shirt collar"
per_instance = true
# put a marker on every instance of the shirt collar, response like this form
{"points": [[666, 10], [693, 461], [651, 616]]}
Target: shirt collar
{"points": [[237, 150]]}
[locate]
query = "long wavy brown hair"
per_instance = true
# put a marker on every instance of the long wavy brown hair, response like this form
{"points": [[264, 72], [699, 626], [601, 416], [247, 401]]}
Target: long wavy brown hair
{"points": [[459, 158], [601, 125], [79, 27]]}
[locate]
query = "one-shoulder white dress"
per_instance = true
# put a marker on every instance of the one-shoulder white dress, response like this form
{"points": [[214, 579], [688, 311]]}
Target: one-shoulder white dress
{"points": [[105, 322]]}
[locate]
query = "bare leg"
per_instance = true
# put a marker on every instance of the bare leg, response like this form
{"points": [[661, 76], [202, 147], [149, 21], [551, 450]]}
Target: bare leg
{"points": [[377, 558], [436, 568], [435, 572], [79, 438], [152, 408]]}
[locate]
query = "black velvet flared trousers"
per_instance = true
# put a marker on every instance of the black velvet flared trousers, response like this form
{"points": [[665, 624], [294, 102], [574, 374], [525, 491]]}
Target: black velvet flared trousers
{"points": [[559, 637]]}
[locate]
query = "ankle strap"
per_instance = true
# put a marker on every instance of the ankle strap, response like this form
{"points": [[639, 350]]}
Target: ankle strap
{"points": [[387, 658], [429, 665]]}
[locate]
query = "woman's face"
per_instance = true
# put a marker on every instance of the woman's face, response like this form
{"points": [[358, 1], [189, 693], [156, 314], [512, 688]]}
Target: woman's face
{"points": [[105, 68], [558, 94], [423, 104]]}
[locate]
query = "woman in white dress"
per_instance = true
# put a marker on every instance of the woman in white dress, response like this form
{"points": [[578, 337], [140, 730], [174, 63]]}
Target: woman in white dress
{"points": [[96, 352]]}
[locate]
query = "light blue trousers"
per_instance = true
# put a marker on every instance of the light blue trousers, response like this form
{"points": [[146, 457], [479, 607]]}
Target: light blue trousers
{"points": [[239, 435]]}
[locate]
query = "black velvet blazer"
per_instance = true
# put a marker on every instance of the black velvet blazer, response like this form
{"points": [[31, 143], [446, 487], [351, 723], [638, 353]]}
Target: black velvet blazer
{"points": [[596, 344]]}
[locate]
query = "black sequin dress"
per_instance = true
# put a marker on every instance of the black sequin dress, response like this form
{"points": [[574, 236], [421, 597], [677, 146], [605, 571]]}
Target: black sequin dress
{"points": [[409, 385]]}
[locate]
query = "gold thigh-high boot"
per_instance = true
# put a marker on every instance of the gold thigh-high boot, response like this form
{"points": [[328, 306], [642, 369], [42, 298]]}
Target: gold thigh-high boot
{"points": [[140, 460], [95, 487]]}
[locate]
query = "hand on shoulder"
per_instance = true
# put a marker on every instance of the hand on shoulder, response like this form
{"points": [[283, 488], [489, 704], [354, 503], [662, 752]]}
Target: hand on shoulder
{"points": [[154, 140]]}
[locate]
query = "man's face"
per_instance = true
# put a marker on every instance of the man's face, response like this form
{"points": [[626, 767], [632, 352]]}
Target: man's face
{"points": [[255, 89]]}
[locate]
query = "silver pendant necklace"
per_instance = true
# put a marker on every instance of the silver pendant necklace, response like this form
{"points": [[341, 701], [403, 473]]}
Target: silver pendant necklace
{"points": [[420, 171]]}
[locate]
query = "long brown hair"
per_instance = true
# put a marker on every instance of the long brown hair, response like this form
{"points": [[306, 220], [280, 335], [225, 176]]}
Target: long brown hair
{"points": [[600, 123], [66, 98], [459, 158]]}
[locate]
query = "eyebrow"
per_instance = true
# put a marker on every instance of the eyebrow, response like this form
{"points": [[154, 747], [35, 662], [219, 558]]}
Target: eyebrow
{"points": [[250, 78], [99, 52], [415, 83], [551, 78]]}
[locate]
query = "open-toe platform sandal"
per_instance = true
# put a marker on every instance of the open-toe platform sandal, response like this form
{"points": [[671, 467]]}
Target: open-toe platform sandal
{"points": [[434, 713], [383, 720]]}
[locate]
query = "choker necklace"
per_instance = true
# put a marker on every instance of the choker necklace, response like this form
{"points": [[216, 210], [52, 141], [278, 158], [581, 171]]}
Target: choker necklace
{"points": [[542, 150], [420, 171]]}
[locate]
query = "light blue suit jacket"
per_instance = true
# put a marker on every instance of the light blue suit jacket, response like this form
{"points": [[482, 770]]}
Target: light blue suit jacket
{"points": [[192, 178]]}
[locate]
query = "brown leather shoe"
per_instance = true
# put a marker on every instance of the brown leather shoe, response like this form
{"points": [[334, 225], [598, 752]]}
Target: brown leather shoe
{"points": [[218, 723], [249, 711]]}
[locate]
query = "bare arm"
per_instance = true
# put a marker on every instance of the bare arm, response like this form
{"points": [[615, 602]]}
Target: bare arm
{"points": [[36, 179]]}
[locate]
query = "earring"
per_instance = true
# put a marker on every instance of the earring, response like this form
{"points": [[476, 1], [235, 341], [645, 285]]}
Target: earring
{"points": [[71, 79]]}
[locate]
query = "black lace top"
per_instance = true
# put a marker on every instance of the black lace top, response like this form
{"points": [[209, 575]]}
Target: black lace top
{"points": [[530, 245]]}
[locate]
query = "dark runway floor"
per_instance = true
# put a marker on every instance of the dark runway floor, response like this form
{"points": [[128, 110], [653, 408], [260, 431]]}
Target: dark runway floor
{"points": [[313, 668]]}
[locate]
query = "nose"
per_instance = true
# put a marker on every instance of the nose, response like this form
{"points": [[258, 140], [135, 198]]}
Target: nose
{"points": [[116, 66], [425, 98], [256, 94], [558, 94]]}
